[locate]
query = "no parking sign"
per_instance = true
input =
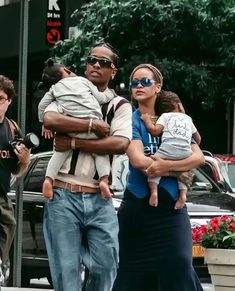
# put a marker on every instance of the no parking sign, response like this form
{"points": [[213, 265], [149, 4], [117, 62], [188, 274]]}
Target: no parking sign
{"points": [[55, 21]]}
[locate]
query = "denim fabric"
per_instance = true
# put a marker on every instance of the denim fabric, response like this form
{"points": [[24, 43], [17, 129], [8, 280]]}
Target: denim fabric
{"points": [[78, 228]]}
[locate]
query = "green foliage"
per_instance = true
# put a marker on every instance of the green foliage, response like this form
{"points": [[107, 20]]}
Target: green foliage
{"points": [[191, 41]]}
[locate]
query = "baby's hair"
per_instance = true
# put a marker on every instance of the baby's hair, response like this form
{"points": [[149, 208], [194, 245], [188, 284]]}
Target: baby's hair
{"points": [[115, 57], [52, 73], [7, 86], [166, 102]]}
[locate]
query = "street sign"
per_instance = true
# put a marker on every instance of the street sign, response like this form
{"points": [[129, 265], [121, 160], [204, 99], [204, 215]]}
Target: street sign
{"points": [[55, 21], [53, 36]]}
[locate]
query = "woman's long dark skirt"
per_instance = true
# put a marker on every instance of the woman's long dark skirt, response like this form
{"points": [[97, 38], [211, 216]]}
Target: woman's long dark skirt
{"points": [[155, 246]]}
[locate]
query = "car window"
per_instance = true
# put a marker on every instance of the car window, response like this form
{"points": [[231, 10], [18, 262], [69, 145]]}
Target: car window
{"points": [[35, 177], [200, 181], [208, 169], [231, 174]]}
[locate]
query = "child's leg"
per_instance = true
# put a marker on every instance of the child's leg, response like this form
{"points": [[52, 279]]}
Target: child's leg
{"points": [[104, 187], [153, 184], [182, 196], [153, 200], [47, 187], [53, 168], [103, 168]]}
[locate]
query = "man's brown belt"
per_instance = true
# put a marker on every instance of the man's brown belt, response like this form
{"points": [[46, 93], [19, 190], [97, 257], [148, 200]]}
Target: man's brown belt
{"points": [[75, 188]]}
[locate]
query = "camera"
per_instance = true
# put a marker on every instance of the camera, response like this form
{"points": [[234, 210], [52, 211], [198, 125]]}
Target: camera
{"points": [[30, 141]]}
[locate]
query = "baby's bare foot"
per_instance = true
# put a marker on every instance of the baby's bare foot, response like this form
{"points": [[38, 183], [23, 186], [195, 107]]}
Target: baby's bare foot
{"points": [[47, 188], [153, 200], [180, 202], [104, 189]]}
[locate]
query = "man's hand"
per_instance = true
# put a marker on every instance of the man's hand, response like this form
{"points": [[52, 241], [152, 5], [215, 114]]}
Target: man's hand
{"points": [[159, 167], [100, 128], [62, 143]]}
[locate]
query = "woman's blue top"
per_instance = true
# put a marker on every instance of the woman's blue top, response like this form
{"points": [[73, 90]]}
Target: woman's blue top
{"points": [[137, 182]]}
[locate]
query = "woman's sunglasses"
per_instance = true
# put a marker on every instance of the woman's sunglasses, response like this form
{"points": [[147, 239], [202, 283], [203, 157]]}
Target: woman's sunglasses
{"points": [[104, 63], [145, 82]]}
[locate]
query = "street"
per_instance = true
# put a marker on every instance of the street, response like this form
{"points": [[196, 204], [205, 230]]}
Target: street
{"points": [[42, 285]]}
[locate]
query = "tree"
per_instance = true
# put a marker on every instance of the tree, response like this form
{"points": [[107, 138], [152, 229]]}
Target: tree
{"points": [[191, 41]]}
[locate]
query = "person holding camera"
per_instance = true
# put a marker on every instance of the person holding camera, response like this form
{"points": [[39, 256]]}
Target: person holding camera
{"points": [[13, 160]]}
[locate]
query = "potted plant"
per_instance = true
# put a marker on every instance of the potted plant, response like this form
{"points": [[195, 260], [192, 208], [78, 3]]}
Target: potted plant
{"points": [[218, 238]]}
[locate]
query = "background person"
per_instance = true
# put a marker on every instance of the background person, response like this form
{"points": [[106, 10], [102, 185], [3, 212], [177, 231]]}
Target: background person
{"points": [[11, 162], [74, 96], [155, 242], [79, 225], [176, 130]]}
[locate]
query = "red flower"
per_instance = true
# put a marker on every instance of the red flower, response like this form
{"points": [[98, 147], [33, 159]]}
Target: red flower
{"points": [[218, 233]]}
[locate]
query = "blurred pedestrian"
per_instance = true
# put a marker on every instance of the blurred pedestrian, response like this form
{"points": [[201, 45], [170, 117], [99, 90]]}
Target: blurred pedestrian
{"points": [[13, 160]]}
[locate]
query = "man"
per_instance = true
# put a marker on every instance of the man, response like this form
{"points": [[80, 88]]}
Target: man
{"points": [[12, 161], [79, 225]]}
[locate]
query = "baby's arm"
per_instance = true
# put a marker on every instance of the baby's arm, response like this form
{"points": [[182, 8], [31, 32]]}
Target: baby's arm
{"points": [[46, 133], [197, 137], [156, 129], [47, 99], [101, 97]]}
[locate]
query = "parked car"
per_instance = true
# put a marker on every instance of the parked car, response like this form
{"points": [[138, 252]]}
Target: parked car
{"points": [[205, 199], [221, 168]]}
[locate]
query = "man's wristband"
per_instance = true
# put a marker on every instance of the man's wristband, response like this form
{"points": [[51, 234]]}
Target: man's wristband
{"points": [[90, 126]]}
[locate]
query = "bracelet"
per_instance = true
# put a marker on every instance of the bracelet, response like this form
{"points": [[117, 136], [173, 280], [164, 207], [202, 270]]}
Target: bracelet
{"points": [[90, 126], [73, 143]]}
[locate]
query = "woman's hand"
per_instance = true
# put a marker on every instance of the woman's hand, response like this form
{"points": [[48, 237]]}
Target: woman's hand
{"points": [[159, 167], [100, 128]]}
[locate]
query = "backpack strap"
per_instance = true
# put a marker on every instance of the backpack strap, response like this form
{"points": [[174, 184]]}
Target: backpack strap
{"points": [[15, 130]]}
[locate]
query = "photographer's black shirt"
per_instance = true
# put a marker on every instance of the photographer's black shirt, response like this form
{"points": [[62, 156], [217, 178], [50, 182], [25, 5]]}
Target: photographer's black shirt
{"points": [[8, 160]]}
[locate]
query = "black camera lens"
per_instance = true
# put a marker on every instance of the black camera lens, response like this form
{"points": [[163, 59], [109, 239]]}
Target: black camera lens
{"points": [[31, 141]]}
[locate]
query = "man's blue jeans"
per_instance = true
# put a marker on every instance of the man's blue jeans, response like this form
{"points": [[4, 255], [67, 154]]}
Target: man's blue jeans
{"points": [[78, 228]]}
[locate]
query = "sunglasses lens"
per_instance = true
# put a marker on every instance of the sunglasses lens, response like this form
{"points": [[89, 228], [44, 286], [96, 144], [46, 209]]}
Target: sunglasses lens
{"points": [[134, 84], [145, 82], [90, 60], [103, 62]]}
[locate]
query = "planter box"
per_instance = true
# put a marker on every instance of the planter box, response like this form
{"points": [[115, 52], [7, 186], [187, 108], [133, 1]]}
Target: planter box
{"points": [[221, 266]]}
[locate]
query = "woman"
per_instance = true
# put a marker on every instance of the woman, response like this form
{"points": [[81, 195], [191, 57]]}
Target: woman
{"points": [[155, 242]]}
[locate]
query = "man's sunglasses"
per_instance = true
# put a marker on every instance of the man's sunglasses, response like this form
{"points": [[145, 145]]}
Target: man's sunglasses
{"points": [[145, 82], [103, 62]]}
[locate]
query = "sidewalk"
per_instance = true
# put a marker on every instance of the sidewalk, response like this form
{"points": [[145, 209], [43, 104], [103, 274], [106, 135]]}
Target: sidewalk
{"points": [[23, 289], [206, 287]]}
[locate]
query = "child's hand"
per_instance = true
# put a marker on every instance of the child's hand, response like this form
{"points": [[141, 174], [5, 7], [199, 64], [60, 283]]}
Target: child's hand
{"points": [[46, 133], [146, 117]]}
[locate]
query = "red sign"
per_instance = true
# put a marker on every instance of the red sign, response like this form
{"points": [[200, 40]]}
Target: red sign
{"points": [[53, 36]]}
